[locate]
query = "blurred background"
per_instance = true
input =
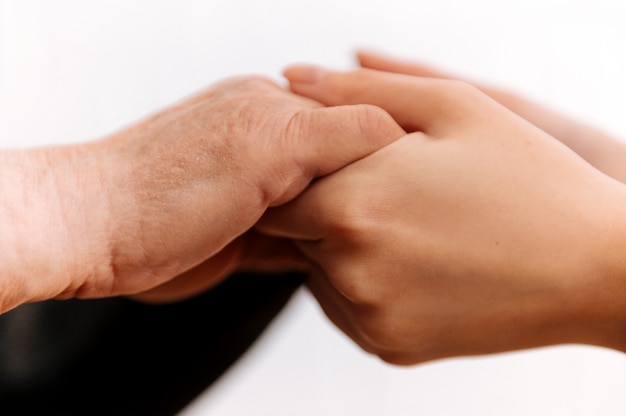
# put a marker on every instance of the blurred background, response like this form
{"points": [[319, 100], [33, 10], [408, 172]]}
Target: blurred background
{"points": [[73, 71]]}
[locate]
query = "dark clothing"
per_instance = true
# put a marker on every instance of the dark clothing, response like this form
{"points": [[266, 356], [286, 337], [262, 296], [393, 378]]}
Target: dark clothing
{"points": [[118, 357]]}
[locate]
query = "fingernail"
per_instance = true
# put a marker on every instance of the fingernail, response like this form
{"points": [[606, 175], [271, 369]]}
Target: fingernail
{"points": [[304, 74]]}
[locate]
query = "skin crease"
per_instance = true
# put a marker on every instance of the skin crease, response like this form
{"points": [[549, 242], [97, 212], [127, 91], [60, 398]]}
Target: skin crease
{"points": [[604, 152], [477, 233], [172, 195]]}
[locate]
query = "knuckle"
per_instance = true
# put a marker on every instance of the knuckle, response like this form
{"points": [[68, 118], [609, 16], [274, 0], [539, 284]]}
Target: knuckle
{"points": [[351, 217], [352, 281], [380, 328], [249, 82], [238, 90], [257, 82], [455, 86], [298, 123], [297, 126], [375, 123]]}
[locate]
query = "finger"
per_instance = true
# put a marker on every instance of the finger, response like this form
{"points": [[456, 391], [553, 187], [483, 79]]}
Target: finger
{"points": [[381, 62], [324, 140], [302, 218], [436, 107], [550, 121], [251, 252], [385, 63], [330, 204], [263, 254]]}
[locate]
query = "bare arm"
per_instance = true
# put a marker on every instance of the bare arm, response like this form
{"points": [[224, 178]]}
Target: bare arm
{"points": [[130, 212]]}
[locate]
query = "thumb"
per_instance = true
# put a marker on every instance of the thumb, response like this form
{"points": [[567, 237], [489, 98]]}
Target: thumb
{"points": [[415, 103], [326, 139], [332, 137], [433, 106]]}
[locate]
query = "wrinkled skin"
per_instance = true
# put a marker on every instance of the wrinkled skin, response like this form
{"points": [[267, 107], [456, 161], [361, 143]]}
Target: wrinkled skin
{"points": [[172, 195]]}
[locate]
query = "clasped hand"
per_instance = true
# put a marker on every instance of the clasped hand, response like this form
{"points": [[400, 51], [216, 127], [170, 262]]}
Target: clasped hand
{"points": [[433, 220], [476, 233], [171, 196]]}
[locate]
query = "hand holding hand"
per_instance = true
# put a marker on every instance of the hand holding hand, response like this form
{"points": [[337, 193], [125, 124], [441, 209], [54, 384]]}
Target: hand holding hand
{"points": [[128, 213], [475, 234]]}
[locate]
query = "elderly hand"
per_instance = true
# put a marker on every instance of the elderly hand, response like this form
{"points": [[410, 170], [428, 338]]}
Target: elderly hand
{"points": [[128, 213], [477, 233]]}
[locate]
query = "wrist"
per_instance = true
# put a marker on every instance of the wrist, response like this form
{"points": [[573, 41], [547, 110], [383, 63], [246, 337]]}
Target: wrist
{"points": [[55, 220]]}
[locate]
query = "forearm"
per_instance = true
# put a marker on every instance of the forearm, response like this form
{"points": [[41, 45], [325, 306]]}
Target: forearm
{"points": [[113, 216], [53, 222], [125, 214]]}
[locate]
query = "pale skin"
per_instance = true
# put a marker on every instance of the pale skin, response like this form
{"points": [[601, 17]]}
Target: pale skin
{"points": [[174, 195], [476, 233]]}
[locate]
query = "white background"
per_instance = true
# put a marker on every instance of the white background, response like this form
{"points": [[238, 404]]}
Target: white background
{"points": [[76, 70]]}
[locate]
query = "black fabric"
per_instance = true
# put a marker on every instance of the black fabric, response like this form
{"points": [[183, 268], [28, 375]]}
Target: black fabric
{"points": [[118, 357]]}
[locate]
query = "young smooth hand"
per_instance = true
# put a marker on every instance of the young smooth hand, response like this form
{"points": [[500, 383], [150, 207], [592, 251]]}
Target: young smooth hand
{"points": [[603, 151], [477, 233], [167, 196]]}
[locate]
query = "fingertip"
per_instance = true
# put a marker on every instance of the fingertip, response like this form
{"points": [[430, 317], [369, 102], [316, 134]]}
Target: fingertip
{"points": [[304, 74], [374, 59], [364, 56]]}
